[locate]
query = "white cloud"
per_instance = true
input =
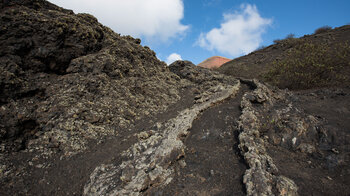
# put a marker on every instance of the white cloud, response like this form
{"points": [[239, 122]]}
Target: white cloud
{"points": [[153, 19], [172, 58], [240, 32]]}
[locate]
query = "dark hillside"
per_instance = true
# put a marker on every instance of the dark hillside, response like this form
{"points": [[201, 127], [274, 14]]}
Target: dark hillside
{"points": [[57, 65], [318, 60]]}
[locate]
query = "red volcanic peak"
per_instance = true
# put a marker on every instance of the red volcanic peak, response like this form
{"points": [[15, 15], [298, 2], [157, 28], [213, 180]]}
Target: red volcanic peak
{"points": [[214, 62]]}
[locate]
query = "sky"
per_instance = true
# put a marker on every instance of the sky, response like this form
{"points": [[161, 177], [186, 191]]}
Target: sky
{"points": [[195, 30]]}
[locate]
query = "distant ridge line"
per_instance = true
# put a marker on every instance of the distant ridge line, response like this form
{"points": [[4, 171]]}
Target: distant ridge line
{"points": [[214, 62]]}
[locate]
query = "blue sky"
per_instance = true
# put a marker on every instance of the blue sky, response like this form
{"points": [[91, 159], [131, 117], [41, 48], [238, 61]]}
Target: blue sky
{"points": [[195, 30]]}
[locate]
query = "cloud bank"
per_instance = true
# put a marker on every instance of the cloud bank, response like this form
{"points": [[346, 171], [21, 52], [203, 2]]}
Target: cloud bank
{"points": [[152, 19], [172, 58], [240, 32]]}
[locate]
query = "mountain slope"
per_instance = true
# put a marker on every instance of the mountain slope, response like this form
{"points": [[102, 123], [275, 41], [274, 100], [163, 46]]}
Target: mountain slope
{"points": [[213, 62], [317, 60], [50, 56], [85, 111]]}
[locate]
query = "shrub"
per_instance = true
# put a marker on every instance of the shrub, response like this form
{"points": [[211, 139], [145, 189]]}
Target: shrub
{"points": [[288, 37], [323, 29]]}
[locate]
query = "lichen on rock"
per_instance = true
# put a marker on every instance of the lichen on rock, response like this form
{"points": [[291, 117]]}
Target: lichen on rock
{"points": [[262, 177], [75, 78], [150, 161]]}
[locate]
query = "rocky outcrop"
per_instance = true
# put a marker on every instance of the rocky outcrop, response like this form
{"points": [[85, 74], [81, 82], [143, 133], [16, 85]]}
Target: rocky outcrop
{"points": [[65, 78], [273, 123], [262, 176]]}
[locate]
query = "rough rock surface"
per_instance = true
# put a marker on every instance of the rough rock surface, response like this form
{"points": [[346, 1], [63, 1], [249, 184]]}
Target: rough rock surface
{"points": [[151, 160], [260, 178], [85, 111], [274, 126], [66, 78]]}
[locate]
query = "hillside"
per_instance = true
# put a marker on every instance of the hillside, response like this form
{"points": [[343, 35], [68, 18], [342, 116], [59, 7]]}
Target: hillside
{"points": [[318, 60], [213, 62], [86, 111]]}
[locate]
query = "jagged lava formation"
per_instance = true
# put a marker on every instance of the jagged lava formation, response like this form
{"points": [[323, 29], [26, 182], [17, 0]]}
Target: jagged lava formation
{"points": [[86, 111]]}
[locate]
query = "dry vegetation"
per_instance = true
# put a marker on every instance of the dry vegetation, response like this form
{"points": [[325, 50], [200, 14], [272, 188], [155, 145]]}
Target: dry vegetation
{"points": [[323, 29], [313, 61], [310, 65]]}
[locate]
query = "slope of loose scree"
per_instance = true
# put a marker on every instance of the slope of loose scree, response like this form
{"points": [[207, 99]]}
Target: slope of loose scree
{"points": [[317, 60]]}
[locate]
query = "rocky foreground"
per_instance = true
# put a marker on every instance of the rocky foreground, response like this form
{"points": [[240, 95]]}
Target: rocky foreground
{"points": [[85, 111]]}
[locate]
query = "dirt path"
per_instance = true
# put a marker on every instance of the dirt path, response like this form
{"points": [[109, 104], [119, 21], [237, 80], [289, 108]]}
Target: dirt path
{"points": [[153, 160], [212, 164]]}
